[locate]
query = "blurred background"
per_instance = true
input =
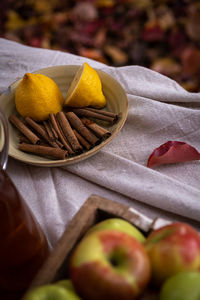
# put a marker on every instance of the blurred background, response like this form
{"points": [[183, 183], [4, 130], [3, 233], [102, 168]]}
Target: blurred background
{"points": [[162, 35]]}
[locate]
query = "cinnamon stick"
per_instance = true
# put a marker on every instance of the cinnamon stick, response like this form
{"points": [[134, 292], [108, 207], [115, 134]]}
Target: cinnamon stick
{"points": [[103, 112], [80, 127], [48, 130], [60, 134], [82, 141], [51, 134], [88, 113], [40, 130], [33, 138], [59, 144], [67, 144], [23, 139], [43, 150], [68, 132], [98, 130], [52, 129]]}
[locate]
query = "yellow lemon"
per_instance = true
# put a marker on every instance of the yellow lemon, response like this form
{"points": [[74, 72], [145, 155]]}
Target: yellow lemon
{"points": [[37, 96], [85, 89]]}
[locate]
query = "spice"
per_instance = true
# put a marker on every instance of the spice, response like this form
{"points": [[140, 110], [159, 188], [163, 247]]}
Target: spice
{"points": [[49, 131], [23, 139], [103, 112], [98, 130], [68, 132], [88, 113], [44, 151], [63, 134], [59, 133], [80, 127], [82, 141], [34, 139], [52, 127], [37, 127]]}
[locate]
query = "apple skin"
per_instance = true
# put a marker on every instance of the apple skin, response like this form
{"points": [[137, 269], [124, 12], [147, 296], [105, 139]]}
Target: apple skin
{"points": [[67, 284], [109, 264], [173, 248], [182, 286], [51, 292], [118, 224]]}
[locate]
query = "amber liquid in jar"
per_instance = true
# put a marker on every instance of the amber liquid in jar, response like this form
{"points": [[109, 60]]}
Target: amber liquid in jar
{"points": [[23, 246]]}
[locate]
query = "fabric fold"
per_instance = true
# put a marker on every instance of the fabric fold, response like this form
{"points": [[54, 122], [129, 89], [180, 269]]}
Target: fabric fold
{"points": [[135, 181]]}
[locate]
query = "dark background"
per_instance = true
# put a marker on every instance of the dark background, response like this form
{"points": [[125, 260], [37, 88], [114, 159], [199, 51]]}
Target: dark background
{"points": [[161, 35]]}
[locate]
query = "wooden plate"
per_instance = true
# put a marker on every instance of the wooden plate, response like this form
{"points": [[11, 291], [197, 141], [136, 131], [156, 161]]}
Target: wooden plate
{"points": [[63, 75]]}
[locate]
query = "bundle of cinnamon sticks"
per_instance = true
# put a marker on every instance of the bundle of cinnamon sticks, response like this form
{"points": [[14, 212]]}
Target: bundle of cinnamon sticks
{"points": [[64, 134]]}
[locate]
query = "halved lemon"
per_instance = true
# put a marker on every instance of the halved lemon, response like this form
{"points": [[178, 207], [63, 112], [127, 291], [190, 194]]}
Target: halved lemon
{"points": [[85, 89]]}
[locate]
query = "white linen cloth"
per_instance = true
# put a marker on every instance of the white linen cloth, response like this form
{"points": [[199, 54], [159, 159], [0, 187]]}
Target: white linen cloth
{"points": [[159, 110]]}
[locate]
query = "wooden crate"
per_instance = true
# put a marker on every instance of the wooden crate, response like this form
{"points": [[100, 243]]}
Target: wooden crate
{"points": [[94, 210]]}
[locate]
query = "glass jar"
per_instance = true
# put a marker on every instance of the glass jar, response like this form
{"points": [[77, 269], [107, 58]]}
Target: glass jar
{"points": [[23, 245]]}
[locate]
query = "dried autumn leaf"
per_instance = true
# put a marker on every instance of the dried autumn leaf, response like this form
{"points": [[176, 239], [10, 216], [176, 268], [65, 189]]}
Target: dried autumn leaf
{"points": [[85, 11], [172, 152], [166, 66], [190, 59], [118, 56], [192, 26], [153, 32]]}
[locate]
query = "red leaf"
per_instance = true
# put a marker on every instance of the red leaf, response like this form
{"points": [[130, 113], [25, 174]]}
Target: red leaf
{"points": [[153, 33], [172, 152]]}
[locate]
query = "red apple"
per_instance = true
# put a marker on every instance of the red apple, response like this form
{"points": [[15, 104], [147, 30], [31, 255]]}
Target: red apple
{"points": [[120, 225], [109, 264], [173, 248]]}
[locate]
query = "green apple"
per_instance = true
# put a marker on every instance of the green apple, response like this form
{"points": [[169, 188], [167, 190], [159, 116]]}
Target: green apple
{"points": [[182, 286], [109, 264], [121, 225], [172, 249], [51, 292], [67, 284]]}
